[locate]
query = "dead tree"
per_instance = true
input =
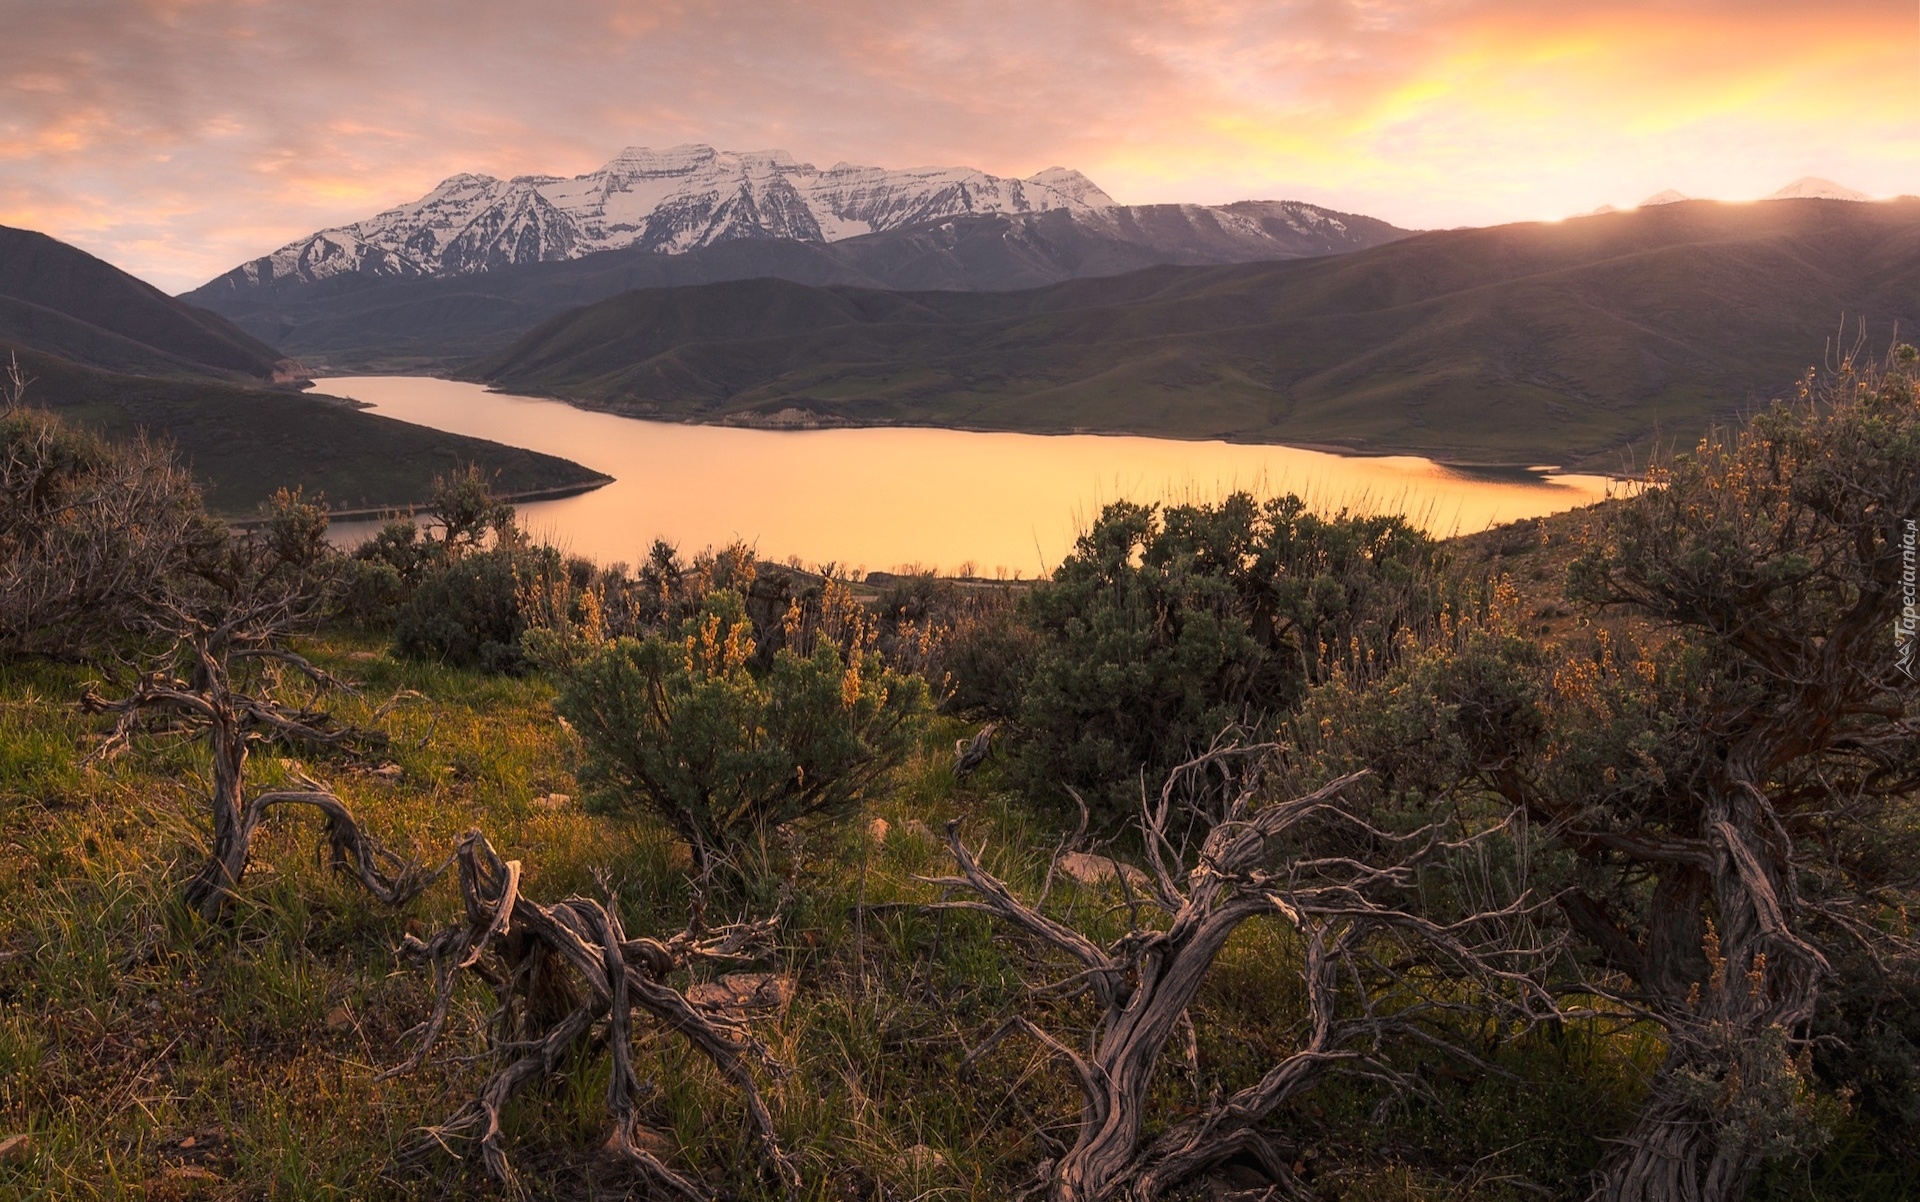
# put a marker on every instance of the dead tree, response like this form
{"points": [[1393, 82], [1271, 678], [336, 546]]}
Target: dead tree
{"points": [[13, 388], [562, 971], [230, 719], [221, 673], [1349, 891], [969, 754]]}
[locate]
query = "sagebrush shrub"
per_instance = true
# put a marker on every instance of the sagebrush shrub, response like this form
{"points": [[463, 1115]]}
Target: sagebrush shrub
{"points": [[1165, 627], [683, 726]]}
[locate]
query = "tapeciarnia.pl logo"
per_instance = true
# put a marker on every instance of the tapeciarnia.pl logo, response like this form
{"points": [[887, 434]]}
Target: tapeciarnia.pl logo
{"points": [[1909, 620]]}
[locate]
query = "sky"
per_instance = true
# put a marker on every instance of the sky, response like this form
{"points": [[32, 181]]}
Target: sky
{"points": [[178, 138]]}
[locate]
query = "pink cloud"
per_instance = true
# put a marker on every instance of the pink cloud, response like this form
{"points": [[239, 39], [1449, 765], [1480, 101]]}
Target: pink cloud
{"points": [[179, 137]]}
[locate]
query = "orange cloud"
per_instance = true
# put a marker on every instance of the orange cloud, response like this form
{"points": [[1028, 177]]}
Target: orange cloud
{"points": [[178, 137], [1519, 112]]}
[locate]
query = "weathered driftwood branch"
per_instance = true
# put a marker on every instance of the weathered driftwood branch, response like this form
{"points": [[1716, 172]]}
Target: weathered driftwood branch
{"points": [[969, 754], [562, 970], [230, 719], [1347, 889]]}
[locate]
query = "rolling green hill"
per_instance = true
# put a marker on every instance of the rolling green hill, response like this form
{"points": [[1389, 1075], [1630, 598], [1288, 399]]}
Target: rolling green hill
{"points": [[1563, 342], [243, 443], [60, 300], [112, 352]]}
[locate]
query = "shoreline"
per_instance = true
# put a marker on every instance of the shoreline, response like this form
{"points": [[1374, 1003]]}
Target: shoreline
{"points": [[1530, 468], [556, 492]]}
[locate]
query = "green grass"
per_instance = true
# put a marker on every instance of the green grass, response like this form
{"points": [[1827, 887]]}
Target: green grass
{"points": [[128, 1026]]}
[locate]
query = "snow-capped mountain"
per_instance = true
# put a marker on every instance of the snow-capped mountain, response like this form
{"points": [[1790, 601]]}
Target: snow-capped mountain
{"points": [[365, 318], [1809, 187], [666, 201]]}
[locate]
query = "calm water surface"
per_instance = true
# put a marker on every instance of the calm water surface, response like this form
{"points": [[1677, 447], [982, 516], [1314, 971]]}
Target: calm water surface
{"points": [[890, 498]]}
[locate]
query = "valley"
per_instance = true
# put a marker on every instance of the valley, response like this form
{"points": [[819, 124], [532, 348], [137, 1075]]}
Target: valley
{"points": [[1587, 343], [717, 677], [114, 354]]}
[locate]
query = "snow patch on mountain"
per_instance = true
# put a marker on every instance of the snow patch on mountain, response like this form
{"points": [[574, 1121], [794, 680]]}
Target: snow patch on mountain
{"points": [[1809, 187], [667, 201]]}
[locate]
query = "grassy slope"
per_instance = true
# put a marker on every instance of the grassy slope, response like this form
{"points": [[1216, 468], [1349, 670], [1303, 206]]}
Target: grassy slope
{"points": [[246, 442], [1521, 343], [48, 331], [127, 1028]]}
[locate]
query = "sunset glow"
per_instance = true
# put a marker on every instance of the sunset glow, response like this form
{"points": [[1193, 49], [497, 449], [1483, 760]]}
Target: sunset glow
{"points": [[177, 139]]}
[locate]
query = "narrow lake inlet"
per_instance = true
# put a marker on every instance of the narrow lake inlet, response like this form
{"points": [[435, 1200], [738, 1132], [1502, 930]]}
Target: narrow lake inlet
{"points": [[887, 498]]}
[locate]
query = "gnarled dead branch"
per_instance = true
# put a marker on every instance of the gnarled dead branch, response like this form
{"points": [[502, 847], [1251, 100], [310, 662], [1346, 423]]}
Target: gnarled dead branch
{"points": [[562, 970], [1347, 888], [208, 703], [969, 754]]}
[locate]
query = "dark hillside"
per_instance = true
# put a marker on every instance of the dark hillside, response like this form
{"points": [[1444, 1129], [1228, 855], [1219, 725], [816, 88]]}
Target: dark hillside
{"points": [[243, 443], [114, 353], [50, 275], [1560, 342]]}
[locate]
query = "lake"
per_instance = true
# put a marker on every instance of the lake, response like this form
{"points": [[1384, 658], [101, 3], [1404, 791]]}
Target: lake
{"points": [[888, 498]]}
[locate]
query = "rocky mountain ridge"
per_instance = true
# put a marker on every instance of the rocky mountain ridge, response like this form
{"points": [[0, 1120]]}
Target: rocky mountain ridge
{"points": [[667, 202], [693, 198], [378, 323]]}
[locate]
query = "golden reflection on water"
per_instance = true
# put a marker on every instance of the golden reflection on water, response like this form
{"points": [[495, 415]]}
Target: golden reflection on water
{"points": [[888, 498]]}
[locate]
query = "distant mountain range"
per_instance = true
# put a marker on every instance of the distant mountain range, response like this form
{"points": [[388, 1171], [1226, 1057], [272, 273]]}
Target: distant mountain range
{"points": [[113, 352], [371, 321], [665, 202], [693, 197], [1560, 342], [1807, 187], [478, 261]]}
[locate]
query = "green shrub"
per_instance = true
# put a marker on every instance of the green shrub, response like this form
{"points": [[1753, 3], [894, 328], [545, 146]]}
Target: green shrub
{"points": [[682, 726], [464, 589], [469, 612], [1164, 628], [965, 639]]}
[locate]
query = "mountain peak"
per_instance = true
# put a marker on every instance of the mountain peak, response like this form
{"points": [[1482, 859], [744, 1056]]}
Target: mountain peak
{"points": [[1668, 197], [664, 201], [1809, 187], [1070, 183]]}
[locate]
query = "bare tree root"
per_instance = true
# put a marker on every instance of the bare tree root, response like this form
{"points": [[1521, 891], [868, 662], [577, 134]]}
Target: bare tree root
{"points": [[969, 754], [1346, 888], [562, 970], [392, 879], [231, 718]]}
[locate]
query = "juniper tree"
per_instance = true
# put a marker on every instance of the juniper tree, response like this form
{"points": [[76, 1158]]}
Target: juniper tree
{"points": [[1733, 769]]}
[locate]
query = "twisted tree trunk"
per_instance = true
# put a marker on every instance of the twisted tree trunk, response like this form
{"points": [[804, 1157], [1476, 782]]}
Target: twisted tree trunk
{"points": [[562, 970], [211, 887], [229, 719], [1357, 890], [1726, 1096]]}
